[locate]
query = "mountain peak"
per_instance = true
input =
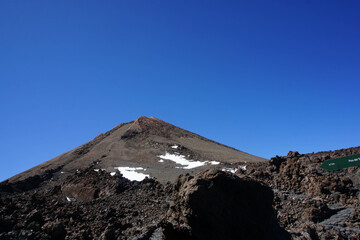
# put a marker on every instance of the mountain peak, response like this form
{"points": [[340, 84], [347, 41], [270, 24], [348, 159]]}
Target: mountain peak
{"points": [[141, 118], [144, 118], [142, 124], [162, 149]]}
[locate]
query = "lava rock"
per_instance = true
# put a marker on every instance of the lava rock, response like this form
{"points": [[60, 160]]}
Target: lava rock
{"points": [[218, 205], [108, 234], [56, 230]]}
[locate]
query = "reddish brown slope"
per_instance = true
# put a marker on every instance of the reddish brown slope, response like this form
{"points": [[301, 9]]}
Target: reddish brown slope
{"points": [[138, 144]]}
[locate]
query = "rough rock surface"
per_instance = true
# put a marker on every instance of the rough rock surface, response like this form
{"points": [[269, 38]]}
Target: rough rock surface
{"points": [[95, 205], [219, 205], [109, 207], [312, 203]]}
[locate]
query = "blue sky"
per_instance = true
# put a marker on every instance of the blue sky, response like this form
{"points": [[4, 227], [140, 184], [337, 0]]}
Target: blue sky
{"points": [[264, 77]]}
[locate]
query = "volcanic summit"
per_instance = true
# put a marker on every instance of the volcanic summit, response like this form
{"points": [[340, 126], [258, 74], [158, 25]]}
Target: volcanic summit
{"points": [[144, 147]]}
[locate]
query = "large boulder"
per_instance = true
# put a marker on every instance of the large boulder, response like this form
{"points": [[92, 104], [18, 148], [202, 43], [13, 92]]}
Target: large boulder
{"points": [[219, 205]]}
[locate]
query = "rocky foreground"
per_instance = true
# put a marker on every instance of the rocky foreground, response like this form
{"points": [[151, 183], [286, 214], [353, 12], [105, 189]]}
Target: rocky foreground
{"points": [[312, 203], [289, 197]]}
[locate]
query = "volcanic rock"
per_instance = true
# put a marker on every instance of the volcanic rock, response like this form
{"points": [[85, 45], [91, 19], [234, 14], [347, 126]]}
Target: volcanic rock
{"points": [[55, 230], [120, 210], [309, 200], [219, 205]]}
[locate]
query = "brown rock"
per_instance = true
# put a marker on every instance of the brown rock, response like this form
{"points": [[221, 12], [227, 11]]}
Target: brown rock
{"points": [[217, 205]]}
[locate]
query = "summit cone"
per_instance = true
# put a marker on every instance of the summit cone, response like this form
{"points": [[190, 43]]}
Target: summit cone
{"points": [[146, 147]]}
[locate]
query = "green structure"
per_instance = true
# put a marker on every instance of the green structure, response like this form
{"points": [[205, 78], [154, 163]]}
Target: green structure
{"points": [[344, 162]]}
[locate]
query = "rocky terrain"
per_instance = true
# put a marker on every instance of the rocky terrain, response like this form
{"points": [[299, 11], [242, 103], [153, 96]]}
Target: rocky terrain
{"points": [[288, 197], [86, 205], [95, 205], [312, 203]]}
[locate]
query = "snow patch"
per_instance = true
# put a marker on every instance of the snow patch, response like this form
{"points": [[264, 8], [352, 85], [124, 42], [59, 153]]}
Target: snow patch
{"points": [[180, 159], [96, 170], [214, 163], [112, 173], [186, 164], [232, 170], [70, 199], [131, 174], [243, 167], [175, 146]]}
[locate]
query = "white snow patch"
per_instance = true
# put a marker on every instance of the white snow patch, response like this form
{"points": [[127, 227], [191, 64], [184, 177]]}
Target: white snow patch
{"points": [[62, 172], [232, 170], [186, 164], [112, 173], [180, 159], [131, 174], [175, 146], [70, 199], [214, 163], [96, 170]]}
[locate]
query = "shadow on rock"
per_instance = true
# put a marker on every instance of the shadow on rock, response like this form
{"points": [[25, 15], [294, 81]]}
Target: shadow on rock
{"points": [[218, 205]]}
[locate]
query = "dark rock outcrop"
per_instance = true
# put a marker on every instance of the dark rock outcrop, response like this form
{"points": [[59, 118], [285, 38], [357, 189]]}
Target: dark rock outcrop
{"points": [[218, 205]]}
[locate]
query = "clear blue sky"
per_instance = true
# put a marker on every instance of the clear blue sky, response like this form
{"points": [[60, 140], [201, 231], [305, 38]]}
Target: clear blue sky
{"points": [[264, 77]]}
